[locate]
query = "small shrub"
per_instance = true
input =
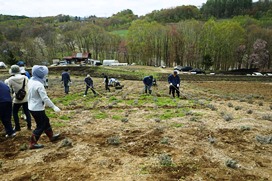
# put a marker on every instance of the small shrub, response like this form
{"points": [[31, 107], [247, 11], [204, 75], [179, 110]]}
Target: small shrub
{"points": [[260, 103], [23, 147], [245, 128], [157, 120], [267, 117], [189, 113], [264, 139], [230, 104], [124, 120], [211, 140], [165, 140], [237, 108], [250, 101], [66, 143], [212, 107], [231, 164], [228, 117], [165, 160], [242, 100], [114, 140], [249, 111], [193, 119]]}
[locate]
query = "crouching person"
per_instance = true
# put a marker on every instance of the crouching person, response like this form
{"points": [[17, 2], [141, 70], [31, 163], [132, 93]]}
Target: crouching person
{"points": [[37, 99], [148, 82]]}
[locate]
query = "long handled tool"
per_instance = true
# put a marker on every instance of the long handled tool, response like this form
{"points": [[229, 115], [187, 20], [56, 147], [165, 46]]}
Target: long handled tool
{"points": [[179, 91], [93, 90]]}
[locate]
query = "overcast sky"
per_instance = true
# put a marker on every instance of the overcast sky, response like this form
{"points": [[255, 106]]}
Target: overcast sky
{"points": [[100, 8]]}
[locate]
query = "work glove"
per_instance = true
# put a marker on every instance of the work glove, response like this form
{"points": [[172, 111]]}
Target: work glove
{"points": [[171, 84], [177, 85], [56, 109]]}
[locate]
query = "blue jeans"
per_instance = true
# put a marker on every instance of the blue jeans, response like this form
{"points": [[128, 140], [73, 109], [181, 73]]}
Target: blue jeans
{"points": [[16, 108], [5, 116]]}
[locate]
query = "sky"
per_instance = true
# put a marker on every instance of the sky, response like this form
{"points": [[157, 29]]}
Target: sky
{"points": [[85, 8]]}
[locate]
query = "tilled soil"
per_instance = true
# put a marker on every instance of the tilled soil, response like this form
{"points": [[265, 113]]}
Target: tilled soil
{"points": [[123, 135]]}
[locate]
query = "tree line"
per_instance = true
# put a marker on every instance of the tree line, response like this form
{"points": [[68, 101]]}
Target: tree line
{"points": [[177, 36]]}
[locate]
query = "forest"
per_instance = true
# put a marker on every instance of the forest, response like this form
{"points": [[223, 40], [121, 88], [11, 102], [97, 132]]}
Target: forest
{"points": [[220, 35]]}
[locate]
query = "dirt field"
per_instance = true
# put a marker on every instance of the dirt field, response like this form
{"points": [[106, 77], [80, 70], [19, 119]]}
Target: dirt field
{"points": [[216, 131]]}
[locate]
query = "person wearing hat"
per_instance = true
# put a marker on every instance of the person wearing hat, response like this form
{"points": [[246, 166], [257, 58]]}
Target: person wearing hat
{"points": [[65, 78], [38, 99], [6, 109], [174, 83], [148, 82], [89, 85], [17, 82]]}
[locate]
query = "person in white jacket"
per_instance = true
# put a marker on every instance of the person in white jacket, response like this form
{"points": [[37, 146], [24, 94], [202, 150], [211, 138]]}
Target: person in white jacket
{"points": [[15, 82], [37, 100]]}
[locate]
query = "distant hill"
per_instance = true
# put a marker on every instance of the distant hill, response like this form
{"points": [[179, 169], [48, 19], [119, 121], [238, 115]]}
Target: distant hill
{"points": [[11, 17]]}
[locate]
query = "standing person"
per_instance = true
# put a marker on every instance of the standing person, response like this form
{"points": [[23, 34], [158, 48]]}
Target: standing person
{"points": [[89, 85], [174, 82], [148, 82], [17, 82], [38, 99], [106, 82], [65, 78], [6, 109]]}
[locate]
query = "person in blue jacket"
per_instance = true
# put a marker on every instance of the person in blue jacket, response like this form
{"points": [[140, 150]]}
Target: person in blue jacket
{"points": [[65, 78], [174, 83], [6, 109], [148, 82]]}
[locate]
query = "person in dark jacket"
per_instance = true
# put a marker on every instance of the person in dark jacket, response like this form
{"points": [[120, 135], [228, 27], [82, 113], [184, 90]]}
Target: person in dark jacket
{"points": [[106, 82], [65, 78], [89, 85], [174, 83], [6, 109], [148, 82]]}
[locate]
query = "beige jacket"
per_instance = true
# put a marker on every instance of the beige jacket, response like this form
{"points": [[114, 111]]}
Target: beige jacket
{"points": [[16, 83]]}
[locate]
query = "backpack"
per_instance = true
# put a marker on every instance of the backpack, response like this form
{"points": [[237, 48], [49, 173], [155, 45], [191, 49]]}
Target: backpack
{"points": [[20, 95]]}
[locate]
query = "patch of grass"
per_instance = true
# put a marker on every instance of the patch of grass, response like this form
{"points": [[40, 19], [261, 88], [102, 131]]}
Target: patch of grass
{"points": [[168, 114], [101, 115], [58, 124], [65, 117], [116, 117], [177, 125], [51, 115]]}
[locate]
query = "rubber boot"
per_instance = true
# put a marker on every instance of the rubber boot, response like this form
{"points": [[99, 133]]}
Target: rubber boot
{"points": [[52, 137], [33, 142], [150, 91]]}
